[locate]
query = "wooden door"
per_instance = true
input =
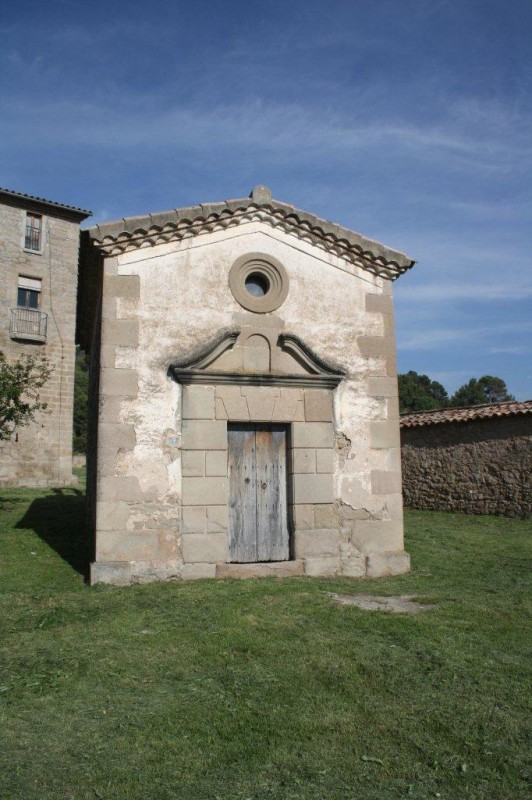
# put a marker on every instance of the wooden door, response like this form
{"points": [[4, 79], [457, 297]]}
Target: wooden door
{"points": [[258, 527]]}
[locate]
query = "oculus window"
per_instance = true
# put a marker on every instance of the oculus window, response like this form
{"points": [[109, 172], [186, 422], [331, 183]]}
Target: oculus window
{"points": [[258, 282]]}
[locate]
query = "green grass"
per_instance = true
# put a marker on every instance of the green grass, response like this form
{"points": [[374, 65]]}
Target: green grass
{"points": [[261, 689]]}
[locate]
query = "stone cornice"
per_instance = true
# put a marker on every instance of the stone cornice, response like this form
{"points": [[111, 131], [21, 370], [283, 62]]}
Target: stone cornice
{"points": [[133, 233], [258, 379]]}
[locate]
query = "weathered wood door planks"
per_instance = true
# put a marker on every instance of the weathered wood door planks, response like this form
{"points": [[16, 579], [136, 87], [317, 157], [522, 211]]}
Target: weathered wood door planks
{"points": [[258, 528], [242, 494]]}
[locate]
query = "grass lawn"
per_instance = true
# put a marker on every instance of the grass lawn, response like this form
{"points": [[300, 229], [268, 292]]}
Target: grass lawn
{"points": [[261, 688]]}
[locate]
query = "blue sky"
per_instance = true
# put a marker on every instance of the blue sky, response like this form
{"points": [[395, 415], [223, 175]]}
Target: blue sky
{"points": [[409, 121]]}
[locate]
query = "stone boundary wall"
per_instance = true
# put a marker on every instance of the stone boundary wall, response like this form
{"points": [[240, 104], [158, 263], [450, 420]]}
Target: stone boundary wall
{"points": [[478, 467]]}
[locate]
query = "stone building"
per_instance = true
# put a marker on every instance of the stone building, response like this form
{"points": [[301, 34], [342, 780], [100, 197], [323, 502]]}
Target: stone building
{"points": [[470, 460], [246, 407], [39, 244]]}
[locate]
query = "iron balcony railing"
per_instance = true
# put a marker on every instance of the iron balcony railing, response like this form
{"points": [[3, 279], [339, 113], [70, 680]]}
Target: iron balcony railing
{"points": [[28, 324]]}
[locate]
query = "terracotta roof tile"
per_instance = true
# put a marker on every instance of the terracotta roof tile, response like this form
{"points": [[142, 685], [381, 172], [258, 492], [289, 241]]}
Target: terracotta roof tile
{"points": [[507, 409], [160, 227]]}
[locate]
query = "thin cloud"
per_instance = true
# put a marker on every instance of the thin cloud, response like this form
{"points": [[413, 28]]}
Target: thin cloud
{"points": [[491, 289], [126, 119], [516, 350], [434, 338], [300, 131], [508, 209]]}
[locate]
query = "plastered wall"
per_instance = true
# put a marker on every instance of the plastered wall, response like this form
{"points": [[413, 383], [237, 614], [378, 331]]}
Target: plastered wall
{"points": [[162, 305]]}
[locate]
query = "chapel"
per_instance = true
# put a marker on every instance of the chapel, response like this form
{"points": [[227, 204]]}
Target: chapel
{"points": [[244, 405]]}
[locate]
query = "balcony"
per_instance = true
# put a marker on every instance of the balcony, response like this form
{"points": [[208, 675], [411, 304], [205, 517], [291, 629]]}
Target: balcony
{"points": [[28, 325]]}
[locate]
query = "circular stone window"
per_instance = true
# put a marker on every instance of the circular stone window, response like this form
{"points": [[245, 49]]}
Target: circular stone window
{"points": [[258, 282]]}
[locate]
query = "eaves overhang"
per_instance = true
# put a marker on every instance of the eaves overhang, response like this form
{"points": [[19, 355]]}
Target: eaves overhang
{"points": [[132, 233], [40, 205]]}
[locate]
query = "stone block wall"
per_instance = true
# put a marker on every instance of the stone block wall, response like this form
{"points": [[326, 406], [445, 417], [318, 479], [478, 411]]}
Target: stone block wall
{"points": [[40, 454], [481, 466], [312, 462]]}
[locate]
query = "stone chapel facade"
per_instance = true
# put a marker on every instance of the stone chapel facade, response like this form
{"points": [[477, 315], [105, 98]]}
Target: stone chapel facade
{"points": [[244, 406]]}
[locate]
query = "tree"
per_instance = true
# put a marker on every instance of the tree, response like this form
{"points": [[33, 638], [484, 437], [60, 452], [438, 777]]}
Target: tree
{"points": [[81, 395], [20, 384], [488, 389], [420, 393]]}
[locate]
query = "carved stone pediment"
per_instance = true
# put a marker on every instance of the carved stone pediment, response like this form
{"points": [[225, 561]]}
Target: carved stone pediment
{"points": [[262, 358]]}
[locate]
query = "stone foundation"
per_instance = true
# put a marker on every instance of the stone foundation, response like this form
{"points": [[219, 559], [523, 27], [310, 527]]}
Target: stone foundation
{"points": [[122, 573]]}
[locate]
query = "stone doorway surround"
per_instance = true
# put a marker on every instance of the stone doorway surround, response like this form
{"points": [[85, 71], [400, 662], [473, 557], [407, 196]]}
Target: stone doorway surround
{"points": [[226, 385]]}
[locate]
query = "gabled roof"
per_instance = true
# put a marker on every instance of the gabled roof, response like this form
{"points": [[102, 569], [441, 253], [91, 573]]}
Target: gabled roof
{"points": [[507, 409], [130, 233], [33, 203]]}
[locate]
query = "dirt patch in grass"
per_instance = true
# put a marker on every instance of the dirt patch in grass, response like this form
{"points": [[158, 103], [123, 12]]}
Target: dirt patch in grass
{"points": [[395, 604]]}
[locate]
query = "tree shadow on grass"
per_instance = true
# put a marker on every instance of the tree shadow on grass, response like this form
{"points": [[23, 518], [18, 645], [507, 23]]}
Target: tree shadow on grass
{"points": [[60, 520]]}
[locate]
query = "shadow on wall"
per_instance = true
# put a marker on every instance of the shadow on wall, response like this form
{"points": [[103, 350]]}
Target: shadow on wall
{"points": [[60, 520]]}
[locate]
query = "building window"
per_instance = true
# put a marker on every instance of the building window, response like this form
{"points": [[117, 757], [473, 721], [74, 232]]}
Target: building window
{"points": [[29, 292], [33, 236], [28, 323]]}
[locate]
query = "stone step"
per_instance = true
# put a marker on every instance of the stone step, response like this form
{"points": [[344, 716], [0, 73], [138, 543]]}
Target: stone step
{"points": [[265, 569]]}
